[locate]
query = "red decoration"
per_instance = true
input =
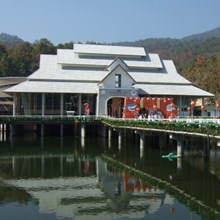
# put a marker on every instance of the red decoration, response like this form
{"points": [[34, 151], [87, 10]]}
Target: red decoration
{"points": [[172, 104], [217, 105], [154, 107], [178, 109], [202, 107], [192, 103]]}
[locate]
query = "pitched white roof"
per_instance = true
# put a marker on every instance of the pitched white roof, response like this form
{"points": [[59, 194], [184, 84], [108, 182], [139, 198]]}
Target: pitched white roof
{"points": [[169, 74], [69, 72], [68, 57], [172, 89], [54, 87], [109, 50]]}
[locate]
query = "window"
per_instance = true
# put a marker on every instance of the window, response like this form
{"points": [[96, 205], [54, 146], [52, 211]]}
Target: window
{"points": [[118, 80]]}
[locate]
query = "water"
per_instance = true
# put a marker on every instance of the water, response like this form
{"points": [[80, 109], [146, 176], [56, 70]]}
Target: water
{"points": [[68, 178]]}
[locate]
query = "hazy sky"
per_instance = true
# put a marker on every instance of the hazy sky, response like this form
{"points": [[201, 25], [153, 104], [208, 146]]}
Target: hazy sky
{"points": [[106, 21]]}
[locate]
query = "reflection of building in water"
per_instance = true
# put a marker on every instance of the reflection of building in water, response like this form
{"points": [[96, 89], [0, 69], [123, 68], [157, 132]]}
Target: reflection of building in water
{"points": [[125, 191], [93, 190]]}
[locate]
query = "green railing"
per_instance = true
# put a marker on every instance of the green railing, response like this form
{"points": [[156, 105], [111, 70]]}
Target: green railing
{"points": [[193, 126], [54, 118], [209, 128]]}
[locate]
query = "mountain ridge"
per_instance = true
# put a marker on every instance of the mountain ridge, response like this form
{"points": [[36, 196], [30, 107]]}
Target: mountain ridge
{"points": [[9, 40], [213, 33]]}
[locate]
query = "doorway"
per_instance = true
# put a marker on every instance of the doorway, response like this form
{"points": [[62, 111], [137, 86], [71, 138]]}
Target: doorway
{"points": [[114, 107]]}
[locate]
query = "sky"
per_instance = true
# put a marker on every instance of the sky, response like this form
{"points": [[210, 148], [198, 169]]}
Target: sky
{"points": [[106, 21]]}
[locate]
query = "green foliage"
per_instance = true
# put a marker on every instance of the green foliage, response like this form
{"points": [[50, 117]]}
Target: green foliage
{"points": [[196, 58], [192, 127]]}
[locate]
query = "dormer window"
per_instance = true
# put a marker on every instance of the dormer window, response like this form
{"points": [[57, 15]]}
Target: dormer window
{"points": [[117, 80]]}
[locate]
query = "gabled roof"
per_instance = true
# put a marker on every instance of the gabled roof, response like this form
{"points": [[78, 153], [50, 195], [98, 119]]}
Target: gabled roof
{"points": [[116, 62], [114, 70]]}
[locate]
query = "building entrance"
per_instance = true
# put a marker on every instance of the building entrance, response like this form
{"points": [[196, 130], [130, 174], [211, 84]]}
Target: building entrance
{"points": [[115, 106]]}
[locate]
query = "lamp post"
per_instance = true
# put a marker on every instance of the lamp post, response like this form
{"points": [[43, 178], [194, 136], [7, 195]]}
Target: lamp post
{"points": [[192, 104], [188, 109], [172, 108], [202, 108], [217, 105], [178, 111]]}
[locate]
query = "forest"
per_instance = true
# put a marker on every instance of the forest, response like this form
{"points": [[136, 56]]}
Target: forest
{"points": [[197, 59]]}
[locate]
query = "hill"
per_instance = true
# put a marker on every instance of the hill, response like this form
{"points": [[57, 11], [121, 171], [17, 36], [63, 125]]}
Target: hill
{"points": [[205, 35], [196, 57], [9, 40]]}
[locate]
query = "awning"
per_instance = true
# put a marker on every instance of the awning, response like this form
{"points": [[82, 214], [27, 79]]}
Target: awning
{"points": [[174, 90], [53, 87]]}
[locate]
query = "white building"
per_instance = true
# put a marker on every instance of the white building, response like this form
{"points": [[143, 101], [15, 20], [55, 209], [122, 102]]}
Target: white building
{"points": [[101, 76]]}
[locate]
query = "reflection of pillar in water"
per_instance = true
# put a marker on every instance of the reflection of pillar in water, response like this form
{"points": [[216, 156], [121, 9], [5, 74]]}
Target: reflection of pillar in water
{"points": [[162, 140], [119, 139], [82, 142], [11, 142], [179, 164], [42, 142], [109, 136], [42, 166], [83, 132], [61, 130], [179, 147], [141, 152], [61, 141], [61, 165], [13, 166], [42, 130]]}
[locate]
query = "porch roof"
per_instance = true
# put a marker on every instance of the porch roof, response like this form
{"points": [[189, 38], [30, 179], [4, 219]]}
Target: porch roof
{"points": [[171, 89], [54, 87]]}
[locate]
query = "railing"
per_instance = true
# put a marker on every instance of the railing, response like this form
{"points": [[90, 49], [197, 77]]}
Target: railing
{"points": [[203, 126], [206, 126], [48, 118]]}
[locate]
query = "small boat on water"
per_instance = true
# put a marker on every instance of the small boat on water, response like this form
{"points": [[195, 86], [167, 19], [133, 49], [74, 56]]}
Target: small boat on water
{"points": [[170, 156]]}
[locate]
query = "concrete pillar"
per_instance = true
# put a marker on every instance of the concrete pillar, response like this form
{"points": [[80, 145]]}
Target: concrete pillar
{"points": [[61, 104], [79, 104], [179, 141], [14, 104], [179, 147], [83, 130], [43, 104], [142, 140], [206, 149]]}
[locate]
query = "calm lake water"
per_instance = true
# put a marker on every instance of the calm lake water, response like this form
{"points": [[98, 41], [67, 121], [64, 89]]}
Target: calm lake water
{"points": [[68, 178]]}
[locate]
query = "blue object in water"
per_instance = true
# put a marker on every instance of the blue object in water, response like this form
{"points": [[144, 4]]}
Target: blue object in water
{"points": [[170, 155]]}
